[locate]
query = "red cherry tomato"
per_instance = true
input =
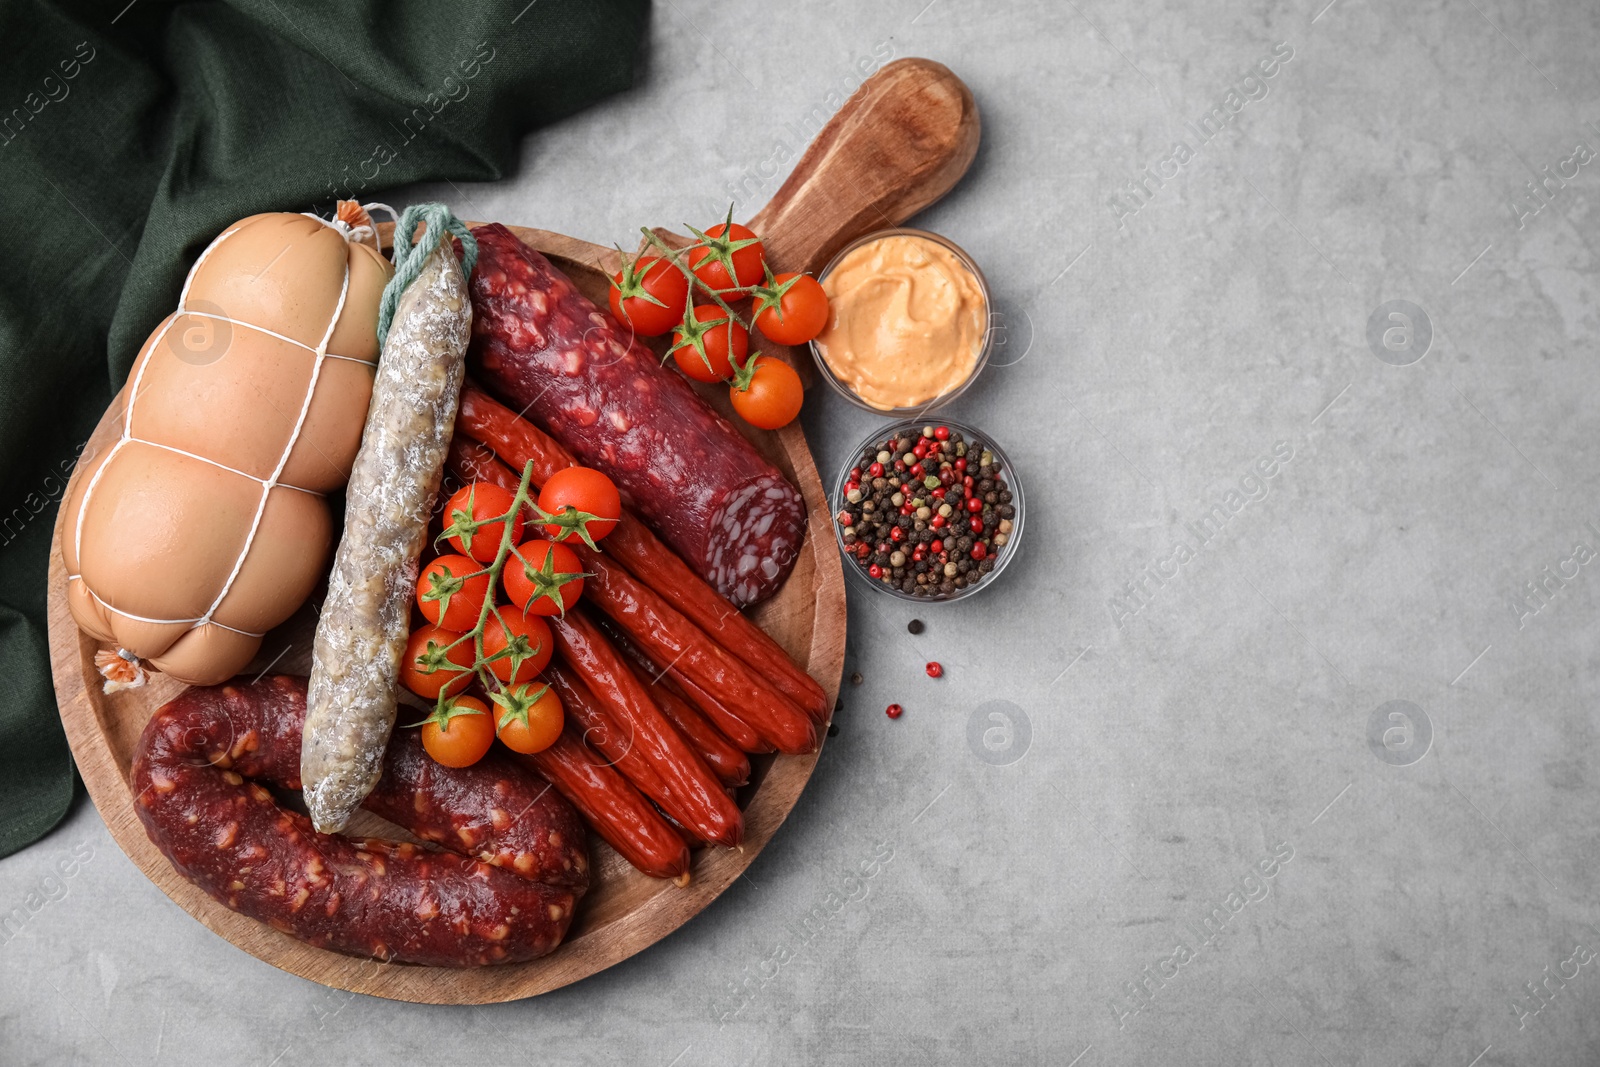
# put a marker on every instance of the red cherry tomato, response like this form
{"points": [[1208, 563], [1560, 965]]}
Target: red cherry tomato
{"points": [[767, 393], [649, 294], [706, 349], [448, 597], [527, 634], [791, 309], [423, 668], [526, 726], [458, 734], [546, 580], [729, 260], [585, 502], [467, 525]]}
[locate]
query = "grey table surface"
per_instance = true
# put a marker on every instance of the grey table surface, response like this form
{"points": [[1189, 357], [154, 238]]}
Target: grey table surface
{"points": [[1160, 808]]}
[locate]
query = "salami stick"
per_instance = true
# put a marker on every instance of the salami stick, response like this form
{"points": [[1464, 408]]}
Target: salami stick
{"points": [[715, 714], [720, 754], [615, 809], [691, 793], [593, 721], [361, 633], [739, 735], [667, 637], [720, 714], [633, 545]]}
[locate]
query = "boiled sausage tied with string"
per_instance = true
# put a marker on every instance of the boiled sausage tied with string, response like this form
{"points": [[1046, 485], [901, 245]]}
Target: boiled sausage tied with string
{"points": [[204, 524]]}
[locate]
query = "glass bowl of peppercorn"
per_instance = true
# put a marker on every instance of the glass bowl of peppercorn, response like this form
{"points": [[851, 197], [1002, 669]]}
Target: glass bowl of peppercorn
{"points": [[927, 511]]}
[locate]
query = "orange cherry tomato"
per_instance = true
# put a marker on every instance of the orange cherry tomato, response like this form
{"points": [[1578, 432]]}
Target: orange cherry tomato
{"points": [[649, 294], [467, 522], [448, 597], [528, 636], [459, 734], [585, 502], [791, 309], [706, 349], [546, 580], [423, 668], [729, 260], [530, 726], [767, 393]]}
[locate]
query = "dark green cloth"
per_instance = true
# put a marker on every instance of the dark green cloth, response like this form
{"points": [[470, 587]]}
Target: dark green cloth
{"points": [[128, 140]]}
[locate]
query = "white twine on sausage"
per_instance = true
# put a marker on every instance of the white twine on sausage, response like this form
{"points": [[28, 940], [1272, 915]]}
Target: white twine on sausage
{"points": [[356, 233]]}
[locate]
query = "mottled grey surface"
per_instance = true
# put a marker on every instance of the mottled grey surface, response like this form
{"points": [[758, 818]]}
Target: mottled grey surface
{"points": [[1195, 714]]}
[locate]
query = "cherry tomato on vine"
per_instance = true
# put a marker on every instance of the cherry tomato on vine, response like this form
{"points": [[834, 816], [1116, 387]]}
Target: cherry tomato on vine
{"points": [[707, 345], [766, 392], [544, 579], [467, 517], [649, 294], [729, 259], [528, 636], [791, 309], [458, 734], [529, 721], [583, 503], [423, 667], [448, 597]]}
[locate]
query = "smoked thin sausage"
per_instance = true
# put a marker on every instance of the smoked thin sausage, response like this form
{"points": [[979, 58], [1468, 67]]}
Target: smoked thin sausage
{"points": [[690, 793], [617, 811]]}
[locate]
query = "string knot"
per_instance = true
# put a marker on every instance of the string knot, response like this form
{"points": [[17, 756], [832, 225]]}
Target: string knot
{"points": [[409, 257]]}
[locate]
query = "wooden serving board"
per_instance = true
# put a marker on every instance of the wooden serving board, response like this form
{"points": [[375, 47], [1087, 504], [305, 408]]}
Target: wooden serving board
{"points": [[897, 145]]}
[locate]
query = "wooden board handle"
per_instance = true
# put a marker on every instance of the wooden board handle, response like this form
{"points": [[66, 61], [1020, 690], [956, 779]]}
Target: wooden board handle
{"points": [[899, 143]]}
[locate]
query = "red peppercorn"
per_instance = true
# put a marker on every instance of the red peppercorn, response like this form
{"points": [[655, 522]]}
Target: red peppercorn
{"points": [[937, 522], [855, 474], [876, 470], [896, 534], [966, 480], [845, 518], [974, 505], [934, 670], [942, 433], [978, 551], [893, 711], [938, 494], [916, 471], [875, 570], [975, 524], [961, 464], [920, 450], [906, 508], [936, 545], [900, 465]]}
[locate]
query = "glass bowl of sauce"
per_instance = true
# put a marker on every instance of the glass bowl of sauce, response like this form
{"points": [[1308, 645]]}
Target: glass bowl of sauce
{"points": [[908, 322]]}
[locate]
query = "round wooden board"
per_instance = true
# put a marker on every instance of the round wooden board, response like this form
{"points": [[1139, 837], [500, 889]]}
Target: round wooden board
{"points": [[625, 911]]}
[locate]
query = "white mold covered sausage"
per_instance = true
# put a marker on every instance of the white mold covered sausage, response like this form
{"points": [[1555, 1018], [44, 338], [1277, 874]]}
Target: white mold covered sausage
{"points": [[361, 633]]}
